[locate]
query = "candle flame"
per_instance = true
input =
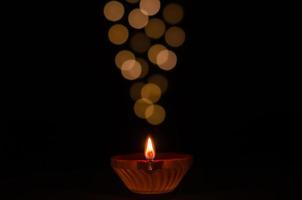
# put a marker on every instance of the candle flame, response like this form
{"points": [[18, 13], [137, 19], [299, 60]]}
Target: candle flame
{"points": [[149, 149]]}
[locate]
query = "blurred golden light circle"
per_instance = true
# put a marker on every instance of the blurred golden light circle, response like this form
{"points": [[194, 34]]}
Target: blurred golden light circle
{"points": [[160, 81], [149, 7], [114, 11], [155, 28], [140, 42], [123, 56], [151, 92], [145, 67], [175, 36], [132, 1], [173, 13], [137, 19], [135, 90], [166, 59], [131, 69], [155, 114], [140, 107], [118, 34], [154, 51]]}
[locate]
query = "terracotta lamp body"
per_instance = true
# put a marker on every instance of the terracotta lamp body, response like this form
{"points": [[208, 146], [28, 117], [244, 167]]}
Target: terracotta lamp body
{"points": [[146, 175]]}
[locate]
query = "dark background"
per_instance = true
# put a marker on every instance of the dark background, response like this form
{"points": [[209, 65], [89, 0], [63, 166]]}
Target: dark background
{"points": [[233, 102]]}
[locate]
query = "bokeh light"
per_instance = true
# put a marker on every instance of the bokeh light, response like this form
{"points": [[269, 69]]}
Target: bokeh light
{"points": [[118, 34], [131, 69], [145, 67], [146, 93], [175, 36], [155, 28], [166, 59], [160, 81], [132, 1], [173, 13], [137, 19], [135, 90], [155, 114], [154, 51], [123, 56], [149, 7], [114, 11], [140, 43], [140, 107], [151, 92]]}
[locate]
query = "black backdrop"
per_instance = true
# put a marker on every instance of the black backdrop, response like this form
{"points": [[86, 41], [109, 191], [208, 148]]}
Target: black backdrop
{"points": [[233, 101]]}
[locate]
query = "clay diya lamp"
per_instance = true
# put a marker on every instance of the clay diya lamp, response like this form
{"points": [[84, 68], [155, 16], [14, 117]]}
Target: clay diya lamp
{"points": [[149, 173]]}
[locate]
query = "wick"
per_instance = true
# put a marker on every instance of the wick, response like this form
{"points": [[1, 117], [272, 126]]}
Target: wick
{"points": [[150, 165]]}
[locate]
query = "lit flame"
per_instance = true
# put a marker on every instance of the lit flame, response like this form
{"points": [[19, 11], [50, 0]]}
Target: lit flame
{"points": [[149, 149]]}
